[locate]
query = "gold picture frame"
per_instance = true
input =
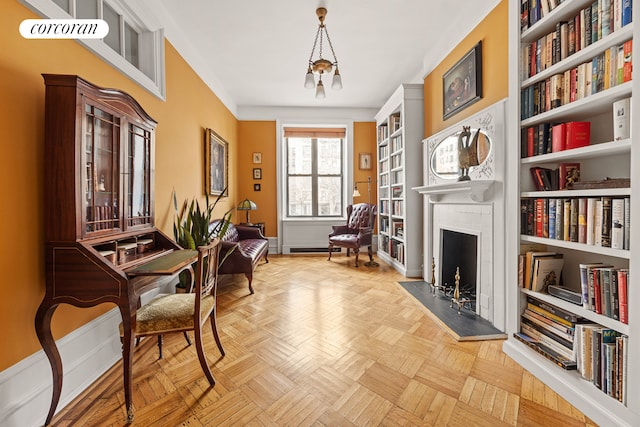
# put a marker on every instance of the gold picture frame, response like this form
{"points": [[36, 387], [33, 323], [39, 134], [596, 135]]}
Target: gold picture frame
{"points": [[217, 164], [364, 161]]}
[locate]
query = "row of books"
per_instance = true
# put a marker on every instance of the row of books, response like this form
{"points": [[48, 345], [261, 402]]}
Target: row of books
{"points": [[383, 132], [396, 250], [560, 178], [617, 11], [604, 290], [600, 221], [545, 138], [397, 228], [395, 122], [591, 24], [601, 357], [396, 143], [101, 218], [608, 69]]}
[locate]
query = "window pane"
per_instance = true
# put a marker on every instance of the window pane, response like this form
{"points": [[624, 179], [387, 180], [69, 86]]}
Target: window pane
{"points": [[64, 4], [113, 19], [329, 156], [299, 156], [329, 196], [130, 44], [87, 9], [299, 191]]}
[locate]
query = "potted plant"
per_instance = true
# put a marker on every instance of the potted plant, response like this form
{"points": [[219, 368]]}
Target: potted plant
{"points": [[192, 228]]}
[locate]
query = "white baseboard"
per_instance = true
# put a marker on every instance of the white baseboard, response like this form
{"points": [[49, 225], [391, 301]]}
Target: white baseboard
{"points": [[87, 353]]}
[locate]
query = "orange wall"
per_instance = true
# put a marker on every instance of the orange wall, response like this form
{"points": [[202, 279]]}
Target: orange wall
{"points": [[260, 136], [189, 109], [492, 31]]}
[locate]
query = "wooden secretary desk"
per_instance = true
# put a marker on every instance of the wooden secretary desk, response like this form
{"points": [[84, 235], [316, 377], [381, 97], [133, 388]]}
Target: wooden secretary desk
{"points": [[101, 245]]}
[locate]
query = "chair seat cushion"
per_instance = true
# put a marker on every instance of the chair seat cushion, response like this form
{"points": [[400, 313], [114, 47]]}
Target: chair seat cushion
{"points": [[344, 239], [169, 313]]}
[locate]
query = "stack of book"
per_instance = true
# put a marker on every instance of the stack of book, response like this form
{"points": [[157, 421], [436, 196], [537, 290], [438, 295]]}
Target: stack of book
{"points": [[601, 357], [550, 331]]}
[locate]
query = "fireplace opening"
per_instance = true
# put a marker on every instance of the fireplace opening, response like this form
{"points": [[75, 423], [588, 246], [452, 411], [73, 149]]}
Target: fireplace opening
{"points": [[459, 250]]}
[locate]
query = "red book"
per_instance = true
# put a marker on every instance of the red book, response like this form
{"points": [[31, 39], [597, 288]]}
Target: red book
{"points": [[622, 296], [627, 66], [597, 306], [578, 134], [558, 137], [531, 140], [539, 210]]}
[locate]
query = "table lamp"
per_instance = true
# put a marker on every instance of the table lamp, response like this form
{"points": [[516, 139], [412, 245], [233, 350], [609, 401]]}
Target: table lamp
{"points": [[247, 205]]}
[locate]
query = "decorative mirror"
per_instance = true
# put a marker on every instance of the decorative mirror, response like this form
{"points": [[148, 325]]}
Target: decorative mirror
{"points": [[457, 155]]}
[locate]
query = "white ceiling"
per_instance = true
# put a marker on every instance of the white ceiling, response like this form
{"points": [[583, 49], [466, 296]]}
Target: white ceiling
{"points": [[255, 53]]}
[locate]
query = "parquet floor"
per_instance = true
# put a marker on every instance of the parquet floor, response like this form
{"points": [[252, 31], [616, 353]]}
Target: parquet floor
{"points": [[324, 344]]}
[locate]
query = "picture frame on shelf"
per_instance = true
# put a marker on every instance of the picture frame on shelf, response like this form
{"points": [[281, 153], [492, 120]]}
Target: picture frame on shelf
{"points": [[462, 83], [364, 161], [257, 158], [217, 164], [257, 173]]}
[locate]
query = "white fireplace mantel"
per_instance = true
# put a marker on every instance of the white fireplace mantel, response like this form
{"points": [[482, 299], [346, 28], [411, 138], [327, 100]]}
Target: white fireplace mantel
{"points": [[478, 191]]}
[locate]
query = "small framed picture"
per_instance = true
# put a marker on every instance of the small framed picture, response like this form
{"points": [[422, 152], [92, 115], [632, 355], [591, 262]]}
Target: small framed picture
{"points": [[365, 161], [257, 158], [256, 187], [257, 173]]}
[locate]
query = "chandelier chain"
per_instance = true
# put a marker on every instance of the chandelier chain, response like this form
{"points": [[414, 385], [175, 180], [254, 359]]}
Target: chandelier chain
{"points": [[315, 42], [335, 58]]}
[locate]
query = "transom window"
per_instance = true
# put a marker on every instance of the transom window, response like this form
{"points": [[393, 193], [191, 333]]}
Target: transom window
{"points": [[130, 46], [314, 178]]}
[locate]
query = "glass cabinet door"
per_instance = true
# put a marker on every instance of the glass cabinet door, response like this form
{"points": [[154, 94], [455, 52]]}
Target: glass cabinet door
{"points": [[102, 194], [138, 179]]}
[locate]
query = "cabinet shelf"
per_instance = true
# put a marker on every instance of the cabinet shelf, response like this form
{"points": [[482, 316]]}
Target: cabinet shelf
{"points": [[582, 247], [582, 153], [591, 105], [547, 24]]}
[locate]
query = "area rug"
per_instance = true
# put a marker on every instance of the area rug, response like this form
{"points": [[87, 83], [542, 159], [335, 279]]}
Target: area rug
{"points": [[466, 326]]}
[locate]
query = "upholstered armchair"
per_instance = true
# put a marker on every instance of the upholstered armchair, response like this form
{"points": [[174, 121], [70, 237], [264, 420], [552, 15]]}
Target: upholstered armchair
{"points": [[357, 232]]}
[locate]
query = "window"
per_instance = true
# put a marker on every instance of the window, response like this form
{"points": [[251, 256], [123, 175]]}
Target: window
{"points": [[130, 46], [314, 172]]}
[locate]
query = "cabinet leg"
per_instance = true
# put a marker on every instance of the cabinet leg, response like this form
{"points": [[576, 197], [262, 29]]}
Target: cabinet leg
{"points": [[128, 323], [43, 330]]}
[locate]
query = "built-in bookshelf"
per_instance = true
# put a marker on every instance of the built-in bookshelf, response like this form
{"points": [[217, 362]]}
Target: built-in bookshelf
{"points": [[569, 73], [399, 134]]}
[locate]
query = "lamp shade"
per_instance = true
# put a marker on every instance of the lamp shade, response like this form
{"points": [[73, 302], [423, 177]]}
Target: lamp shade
{"points": [[247, 205]]}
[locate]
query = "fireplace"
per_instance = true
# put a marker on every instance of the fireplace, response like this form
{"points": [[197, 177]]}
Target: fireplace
{"points": [[459, 251]]}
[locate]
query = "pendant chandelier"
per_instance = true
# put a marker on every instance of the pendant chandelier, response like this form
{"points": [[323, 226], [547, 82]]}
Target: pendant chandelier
{"points": [[322, 66]]}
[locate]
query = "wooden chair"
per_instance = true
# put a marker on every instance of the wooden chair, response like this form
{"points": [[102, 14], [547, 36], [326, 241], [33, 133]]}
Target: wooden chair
{"points": [[357, 232], [189, 311]]}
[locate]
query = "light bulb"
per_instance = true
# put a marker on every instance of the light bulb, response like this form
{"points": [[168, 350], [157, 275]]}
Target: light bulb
{"points": [[320, 90], [309, 82], [337, 80]]}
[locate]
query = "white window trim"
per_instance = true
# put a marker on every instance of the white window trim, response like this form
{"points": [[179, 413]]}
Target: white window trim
{"points": [[153, 58], [281, 176]]}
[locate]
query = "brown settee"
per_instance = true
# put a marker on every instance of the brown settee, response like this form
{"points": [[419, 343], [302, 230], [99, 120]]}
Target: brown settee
{"points": [[249, 247]]}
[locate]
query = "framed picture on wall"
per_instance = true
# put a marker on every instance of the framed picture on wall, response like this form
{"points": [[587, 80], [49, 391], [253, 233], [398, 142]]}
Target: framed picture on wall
{"points": [[257, 158], [217, 164], [364, 161], [257, 173], [462, 84]]}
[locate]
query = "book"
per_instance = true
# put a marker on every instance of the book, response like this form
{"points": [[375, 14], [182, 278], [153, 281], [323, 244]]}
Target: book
{"points": [[573, 220], [622, 119], [627, 223], [558, 137], [597, 223], [559, 219], [591, 213], [627, 59], [547, 336], [530, 258], [605, 238], [617, 223], [547, 271], [582, 220], [584, 284], [547, 352], [623, 306], [578, 134], [568, 172]]}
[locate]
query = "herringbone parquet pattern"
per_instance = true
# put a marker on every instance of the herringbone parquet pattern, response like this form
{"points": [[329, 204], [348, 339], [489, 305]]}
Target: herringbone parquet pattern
{"points": [[324, 343]]}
